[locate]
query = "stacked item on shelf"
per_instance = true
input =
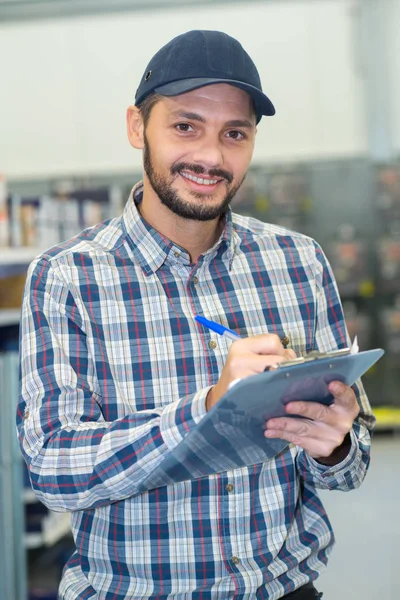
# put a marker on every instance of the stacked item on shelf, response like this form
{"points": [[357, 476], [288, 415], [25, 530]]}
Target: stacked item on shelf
{"points": [[390, 322], [359, 323], [34, 223], [349, 255], [388, 243], [388, 284], [281, 196], [47, 219], [352, 260]]}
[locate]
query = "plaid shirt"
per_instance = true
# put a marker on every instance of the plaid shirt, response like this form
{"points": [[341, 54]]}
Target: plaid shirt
{"points": [[114, 374]]}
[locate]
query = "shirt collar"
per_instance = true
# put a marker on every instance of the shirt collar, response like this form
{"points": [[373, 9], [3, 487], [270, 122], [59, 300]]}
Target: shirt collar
{"points": [[151, 249]]}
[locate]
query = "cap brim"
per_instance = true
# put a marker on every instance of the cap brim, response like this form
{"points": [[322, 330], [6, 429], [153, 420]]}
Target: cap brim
{"points": [[262, 103]]}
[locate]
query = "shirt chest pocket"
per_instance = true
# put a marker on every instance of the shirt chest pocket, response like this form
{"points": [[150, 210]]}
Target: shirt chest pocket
{"points": [[292, 316]]}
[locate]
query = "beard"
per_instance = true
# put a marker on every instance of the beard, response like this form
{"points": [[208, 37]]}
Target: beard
{"points": [[169, 197]]}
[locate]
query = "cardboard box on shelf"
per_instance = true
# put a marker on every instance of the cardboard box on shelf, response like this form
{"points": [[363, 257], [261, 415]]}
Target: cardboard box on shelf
{"points": [[11, 290]]}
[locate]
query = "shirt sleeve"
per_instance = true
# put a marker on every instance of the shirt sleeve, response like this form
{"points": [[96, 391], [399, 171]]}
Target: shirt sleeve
{"points": [[75, 457], [331, 334]]}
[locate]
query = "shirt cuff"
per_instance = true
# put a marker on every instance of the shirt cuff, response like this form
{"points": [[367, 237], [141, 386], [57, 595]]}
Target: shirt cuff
{"points": [[341, 474], [179, 417]]}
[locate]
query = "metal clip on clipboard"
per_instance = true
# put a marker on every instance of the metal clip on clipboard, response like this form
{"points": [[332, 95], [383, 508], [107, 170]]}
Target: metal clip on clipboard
{"points": [[312, 356], [231, 434]]}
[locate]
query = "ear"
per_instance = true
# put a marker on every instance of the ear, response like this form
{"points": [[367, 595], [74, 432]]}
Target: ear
{"points": [[135, 127]]}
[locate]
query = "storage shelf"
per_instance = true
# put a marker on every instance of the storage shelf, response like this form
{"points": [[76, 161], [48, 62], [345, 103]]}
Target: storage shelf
{"points": [[9, 316], [33, 540], [29, 496], [18, 256], [55, 527], [387, 417]]}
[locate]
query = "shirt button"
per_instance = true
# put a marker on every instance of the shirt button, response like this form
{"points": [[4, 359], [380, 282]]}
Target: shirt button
{"points": [[235, 560], [285, 341], [212, 344], [177, 254], [195, 279], [26, 414], [229, 487]]}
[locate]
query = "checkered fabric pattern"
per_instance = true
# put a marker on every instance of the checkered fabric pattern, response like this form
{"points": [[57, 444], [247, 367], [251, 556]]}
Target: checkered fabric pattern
{"points": [[114, 374]]}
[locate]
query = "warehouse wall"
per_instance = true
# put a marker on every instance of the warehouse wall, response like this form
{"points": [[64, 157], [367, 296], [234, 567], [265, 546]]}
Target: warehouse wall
{"points": [[392, 62], [68, 82]]}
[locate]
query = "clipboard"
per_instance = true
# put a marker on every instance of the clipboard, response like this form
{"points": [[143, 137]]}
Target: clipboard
{"points": [[231, 435]]}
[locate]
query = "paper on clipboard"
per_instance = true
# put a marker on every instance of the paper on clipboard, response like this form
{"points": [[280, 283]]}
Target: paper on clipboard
{"points": [[231, 435]]}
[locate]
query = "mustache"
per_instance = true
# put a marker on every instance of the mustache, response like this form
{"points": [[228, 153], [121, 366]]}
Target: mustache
{"points": [[199, 170]]}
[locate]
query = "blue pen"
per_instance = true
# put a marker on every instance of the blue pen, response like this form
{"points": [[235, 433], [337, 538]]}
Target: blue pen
{"points": [[218, 328]]}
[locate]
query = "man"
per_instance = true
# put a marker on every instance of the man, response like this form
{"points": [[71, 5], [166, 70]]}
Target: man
{"points": [[116, 371]]}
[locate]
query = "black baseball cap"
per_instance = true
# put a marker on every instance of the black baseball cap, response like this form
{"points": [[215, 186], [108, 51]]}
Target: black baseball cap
{"points": [[198, 58]]}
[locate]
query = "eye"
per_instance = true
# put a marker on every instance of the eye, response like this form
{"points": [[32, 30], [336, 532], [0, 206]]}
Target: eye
{"points": [[184, 127], [236, 135]]}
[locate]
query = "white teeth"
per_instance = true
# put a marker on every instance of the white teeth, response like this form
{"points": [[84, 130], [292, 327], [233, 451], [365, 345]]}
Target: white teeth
{"points": [[200, 180]]}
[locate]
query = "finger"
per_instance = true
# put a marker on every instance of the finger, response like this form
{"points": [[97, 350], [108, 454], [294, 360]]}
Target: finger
{"points": [[248, 364], [273, 362], [338, 417], [344, 397], [317, 438], [311, 410], [265, 343], [287, 426], [288, 355], [313, 446]]}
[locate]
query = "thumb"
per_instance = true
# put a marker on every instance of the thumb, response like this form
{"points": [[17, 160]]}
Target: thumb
{"points": [[343, 394]]}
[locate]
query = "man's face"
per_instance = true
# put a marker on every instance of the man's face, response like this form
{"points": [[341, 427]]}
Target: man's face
{"points": [[197, 148]]}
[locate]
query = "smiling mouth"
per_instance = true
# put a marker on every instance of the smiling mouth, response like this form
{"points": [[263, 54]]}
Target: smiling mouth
{"points": [[199, 180]]}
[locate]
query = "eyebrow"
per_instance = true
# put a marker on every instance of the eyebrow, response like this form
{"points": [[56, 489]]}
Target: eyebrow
{"points": [[188, 115], [195, 117], [240, 123]]}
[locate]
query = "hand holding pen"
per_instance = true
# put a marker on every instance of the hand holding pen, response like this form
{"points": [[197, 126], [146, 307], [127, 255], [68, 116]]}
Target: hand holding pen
{"points": [[228, 333], [247, 356], [324, 433]]}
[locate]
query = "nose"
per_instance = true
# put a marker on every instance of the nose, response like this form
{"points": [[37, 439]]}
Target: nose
{"points": [[208, 152]]}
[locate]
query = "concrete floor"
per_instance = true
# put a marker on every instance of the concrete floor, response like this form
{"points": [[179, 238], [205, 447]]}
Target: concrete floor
{"points": [[365, 563]]}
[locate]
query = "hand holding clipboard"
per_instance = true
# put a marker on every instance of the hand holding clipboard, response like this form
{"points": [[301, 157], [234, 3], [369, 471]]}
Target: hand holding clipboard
{"points": [[232, 433], [299, 382]]}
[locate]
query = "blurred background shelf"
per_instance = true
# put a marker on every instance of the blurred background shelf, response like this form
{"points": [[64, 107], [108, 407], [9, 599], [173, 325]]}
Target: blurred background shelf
{"points": [[15, 261], [29, 496], [18, 256], [387, 418], [9, 316], [54, 527]]}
